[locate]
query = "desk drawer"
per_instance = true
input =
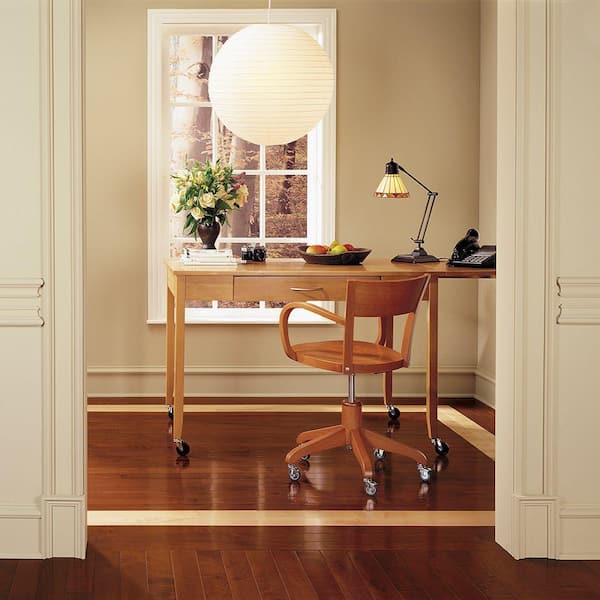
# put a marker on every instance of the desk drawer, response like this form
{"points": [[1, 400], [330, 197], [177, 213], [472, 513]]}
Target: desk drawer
{"points": [[287, 289], [209, 287]]}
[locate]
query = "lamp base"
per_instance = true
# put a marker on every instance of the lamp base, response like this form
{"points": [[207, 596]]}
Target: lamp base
{"points": [[418, 255]]}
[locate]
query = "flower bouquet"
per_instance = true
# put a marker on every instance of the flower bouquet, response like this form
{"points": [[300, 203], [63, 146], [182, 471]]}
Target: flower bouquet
{"points": [[207, 193]]}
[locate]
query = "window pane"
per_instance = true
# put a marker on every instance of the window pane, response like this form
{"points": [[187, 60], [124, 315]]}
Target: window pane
{"points": [[235, 151], [190, 135], [286, 205], [245, 221], [287, 156], [283, 250], [190, 58]]}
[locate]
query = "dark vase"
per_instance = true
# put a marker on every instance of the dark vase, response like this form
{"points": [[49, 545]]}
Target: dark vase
{"points": [[208, 234]]}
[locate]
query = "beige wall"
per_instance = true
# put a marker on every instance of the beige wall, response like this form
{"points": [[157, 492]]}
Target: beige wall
{"points": [[408, 87]]}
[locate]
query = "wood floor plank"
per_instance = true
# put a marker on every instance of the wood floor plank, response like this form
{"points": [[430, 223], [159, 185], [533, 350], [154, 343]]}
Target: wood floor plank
{"points": [[346, 575], [53, 579], [188, 583], [484, 576], [7, 574], [419, 563], [452, 574], [107, 575], [379, 584], [214, 577], [267, 576], [240, 576], [80, 575], [134, 575], [320, 575], [25, 581], [294, 576], [161, 584], [403, 579]]}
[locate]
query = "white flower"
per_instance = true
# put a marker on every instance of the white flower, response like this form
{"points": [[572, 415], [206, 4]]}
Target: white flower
{"points": [[189, 203], [207, 200], [221, 193], [196, 213]]}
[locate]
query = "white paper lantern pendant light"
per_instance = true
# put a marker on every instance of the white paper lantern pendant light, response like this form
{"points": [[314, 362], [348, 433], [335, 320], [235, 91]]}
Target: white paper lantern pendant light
{"points": [[271, 83]]}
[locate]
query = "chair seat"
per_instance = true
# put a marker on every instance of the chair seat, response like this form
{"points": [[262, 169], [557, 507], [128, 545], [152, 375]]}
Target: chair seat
{"points": [[367, 356]]}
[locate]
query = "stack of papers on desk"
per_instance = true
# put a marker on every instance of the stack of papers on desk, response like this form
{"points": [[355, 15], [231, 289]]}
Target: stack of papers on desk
{"points": [[192, 256]]}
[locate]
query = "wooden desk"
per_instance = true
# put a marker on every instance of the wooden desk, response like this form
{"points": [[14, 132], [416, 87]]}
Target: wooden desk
{"points": [[289, 280]]}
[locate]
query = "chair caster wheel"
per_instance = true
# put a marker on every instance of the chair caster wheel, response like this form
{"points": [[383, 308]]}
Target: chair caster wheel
{"points": [[182, 447], [393, 412], [379, 453], [294, 473], [441, 448], [305, 458], [170, 411], [370, 486], [424, 473]]}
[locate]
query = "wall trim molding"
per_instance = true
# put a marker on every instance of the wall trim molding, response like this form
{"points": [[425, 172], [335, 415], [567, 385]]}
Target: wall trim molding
{"points": [[21, 302], [536, 526], [62, 518], [20, 511], [268, 381], [579, 302], [255, 370], [579, 529]]}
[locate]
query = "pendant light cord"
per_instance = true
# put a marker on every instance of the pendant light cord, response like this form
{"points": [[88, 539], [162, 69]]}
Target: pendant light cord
{"points": [[269, 14]]}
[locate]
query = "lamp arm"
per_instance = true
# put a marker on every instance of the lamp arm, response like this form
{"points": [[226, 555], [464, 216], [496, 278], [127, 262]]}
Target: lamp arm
{"points": [[420, 239], [415, 179]]}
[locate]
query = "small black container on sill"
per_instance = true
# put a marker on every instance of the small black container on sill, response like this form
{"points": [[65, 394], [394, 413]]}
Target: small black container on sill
{"points": [[256, 253]]}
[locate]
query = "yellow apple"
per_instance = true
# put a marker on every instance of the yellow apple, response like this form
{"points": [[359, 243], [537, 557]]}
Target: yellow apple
{"points": [[339, 249]]}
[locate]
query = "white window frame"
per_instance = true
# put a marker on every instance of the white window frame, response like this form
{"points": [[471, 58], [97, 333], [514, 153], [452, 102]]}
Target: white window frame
{"points": [[321, 23]]}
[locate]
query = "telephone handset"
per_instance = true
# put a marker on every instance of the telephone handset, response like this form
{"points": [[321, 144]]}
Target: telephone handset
{"points": [[468, 252]]}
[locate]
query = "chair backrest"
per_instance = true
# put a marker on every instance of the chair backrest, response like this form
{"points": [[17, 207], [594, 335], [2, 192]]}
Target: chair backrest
{"points": [[383, 299]]}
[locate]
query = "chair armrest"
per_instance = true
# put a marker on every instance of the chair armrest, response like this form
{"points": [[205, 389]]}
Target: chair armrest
{"points": [[284, 318]]}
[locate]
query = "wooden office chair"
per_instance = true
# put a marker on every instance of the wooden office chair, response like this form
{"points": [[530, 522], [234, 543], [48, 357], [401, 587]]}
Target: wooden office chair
{"points": [[382, 299]]}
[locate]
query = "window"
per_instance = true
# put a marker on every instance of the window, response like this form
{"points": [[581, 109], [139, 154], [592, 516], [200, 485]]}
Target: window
{"points": [[292, 187]]}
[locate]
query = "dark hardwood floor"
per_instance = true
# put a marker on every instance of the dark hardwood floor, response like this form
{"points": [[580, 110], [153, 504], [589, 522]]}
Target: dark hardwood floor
{"points": [[296, 563], [237, 462]]}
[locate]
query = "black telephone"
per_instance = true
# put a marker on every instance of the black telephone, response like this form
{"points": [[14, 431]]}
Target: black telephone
{"points": [[468, 253]]}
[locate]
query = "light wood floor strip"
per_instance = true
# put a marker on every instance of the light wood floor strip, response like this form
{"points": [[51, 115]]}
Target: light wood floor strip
{"points": [[470, 431], [300, 518]]}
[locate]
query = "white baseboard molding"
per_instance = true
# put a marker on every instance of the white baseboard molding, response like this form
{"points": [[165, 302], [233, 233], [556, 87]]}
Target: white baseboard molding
{"points": [[270, 381], [20, 527], [579, 532], [485, 388], [535, 520], [63, 535]]}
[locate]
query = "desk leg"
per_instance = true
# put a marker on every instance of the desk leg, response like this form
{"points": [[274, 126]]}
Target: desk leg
{"points": [[179, 366], [432, 361], [170, 349]]}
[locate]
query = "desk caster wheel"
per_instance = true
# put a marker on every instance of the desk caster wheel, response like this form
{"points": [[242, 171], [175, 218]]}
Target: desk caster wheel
{"points": [[379, 453], [182, 447], [294, 473], [393, 412], [370, 486], [170, 411], [441, 448], [424, 473]]}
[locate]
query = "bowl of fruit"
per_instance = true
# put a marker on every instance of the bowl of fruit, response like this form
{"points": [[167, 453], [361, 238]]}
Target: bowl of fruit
{"points": [[333, 254]]}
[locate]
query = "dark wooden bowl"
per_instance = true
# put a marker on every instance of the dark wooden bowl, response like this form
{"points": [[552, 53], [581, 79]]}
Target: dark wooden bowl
{"points": [[350, 257]]}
